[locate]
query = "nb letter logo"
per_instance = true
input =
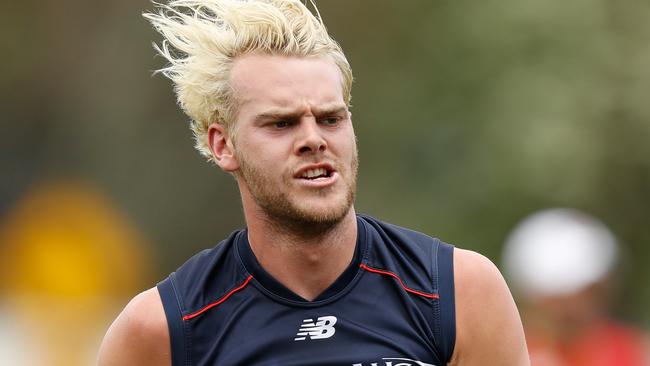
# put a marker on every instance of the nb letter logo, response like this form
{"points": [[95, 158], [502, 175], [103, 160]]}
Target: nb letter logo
{"points": [[322, 328]]}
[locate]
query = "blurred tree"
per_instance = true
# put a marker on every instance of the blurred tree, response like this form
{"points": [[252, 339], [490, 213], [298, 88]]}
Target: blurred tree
{"points": [[469, 115]]}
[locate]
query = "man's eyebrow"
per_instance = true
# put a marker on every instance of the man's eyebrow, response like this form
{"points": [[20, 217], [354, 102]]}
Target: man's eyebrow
{"points": [[292, 114], [277, 114], [331, 109]]}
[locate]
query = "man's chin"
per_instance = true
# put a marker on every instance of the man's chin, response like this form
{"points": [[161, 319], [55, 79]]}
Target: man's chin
{"points": [[324, 209], [323, 213], [310, 219]]}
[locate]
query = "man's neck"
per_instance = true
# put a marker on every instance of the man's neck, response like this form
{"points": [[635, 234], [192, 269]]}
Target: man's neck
{"points": [[305, 264]]}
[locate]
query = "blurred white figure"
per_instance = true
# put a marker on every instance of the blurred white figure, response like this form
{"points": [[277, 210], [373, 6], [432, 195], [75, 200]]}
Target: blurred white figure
{"points": [[14, 343], [560, 262]]}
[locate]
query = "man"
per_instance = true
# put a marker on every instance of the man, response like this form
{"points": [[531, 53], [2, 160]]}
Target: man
{"points": [[566, 298], [309, 282]]}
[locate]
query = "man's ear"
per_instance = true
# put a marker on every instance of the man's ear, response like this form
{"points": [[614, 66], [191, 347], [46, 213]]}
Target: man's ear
{"points": [[222, 148]]}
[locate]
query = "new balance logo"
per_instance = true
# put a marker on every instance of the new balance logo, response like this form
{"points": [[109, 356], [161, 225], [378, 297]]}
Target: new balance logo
{"points": [[322, 328]]}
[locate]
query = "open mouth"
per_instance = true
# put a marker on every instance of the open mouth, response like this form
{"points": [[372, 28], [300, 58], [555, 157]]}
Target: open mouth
{"points": [[316, 173]]}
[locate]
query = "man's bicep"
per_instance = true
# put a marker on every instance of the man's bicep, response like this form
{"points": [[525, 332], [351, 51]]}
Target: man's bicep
{"points": [[139, 335], [488, 326]]}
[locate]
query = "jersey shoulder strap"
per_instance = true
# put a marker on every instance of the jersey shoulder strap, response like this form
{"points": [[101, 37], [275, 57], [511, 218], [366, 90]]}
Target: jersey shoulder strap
{"points": [[423, 263], [193, 287], [171, 301], [445, 308]]}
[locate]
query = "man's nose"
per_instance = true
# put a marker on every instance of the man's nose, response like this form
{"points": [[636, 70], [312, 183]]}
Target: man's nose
{"points": [[310, 138]]}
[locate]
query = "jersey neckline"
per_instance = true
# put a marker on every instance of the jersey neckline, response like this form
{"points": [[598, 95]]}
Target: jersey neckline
{"points": [[273, 286]]}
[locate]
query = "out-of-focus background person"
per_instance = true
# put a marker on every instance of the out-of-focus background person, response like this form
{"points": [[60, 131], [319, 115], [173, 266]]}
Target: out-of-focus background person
{"points": [[562, 265]]}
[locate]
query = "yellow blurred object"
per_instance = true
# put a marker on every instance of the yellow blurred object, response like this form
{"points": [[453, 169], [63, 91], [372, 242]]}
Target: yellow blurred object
{"points": [[68, 261]]}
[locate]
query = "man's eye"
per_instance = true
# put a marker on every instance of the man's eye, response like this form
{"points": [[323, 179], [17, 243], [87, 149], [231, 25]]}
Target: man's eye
{"points": [[281, 124], [331, 120]]}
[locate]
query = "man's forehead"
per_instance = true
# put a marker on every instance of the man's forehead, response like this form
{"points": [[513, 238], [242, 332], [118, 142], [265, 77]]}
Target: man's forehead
{"points": [[279, 80], [276, 63]]}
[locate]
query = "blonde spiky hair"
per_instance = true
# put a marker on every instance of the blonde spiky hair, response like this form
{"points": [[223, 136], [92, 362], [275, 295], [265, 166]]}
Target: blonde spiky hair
{"points": [[202, 38]]}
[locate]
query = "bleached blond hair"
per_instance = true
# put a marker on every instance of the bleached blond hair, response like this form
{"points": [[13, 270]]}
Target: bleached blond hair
{"points": [[202, 38]]}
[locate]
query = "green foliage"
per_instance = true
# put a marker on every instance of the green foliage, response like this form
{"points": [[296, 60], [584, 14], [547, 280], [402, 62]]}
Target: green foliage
{"points": [[469, 114]]}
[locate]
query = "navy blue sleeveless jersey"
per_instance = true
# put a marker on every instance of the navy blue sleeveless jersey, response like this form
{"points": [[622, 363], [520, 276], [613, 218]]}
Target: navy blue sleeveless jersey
{"points": [[393, 306]]}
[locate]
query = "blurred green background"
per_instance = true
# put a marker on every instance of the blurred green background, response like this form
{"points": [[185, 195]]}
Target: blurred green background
{"points": [[470, 115]]}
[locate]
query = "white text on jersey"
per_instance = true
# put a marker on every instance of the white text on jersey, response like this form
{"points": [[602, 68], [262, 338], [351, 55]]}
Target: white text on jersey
{"points": [[322, 328]]}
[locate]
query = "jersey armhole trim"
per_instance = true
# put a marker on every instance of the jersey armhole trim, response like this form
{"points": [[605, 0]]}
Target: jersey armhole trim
{"points": [[447, 305], [174, 314]]}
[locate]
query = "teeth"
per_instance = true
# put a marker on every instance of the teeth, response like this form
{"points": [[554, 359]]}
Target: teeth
{"points": [[314, 173]]}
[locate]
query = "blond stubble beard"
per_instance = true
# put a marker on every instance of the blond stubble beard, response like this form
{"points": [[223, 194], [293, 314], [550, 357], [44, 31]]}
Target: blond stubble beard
{"points": [[281, 212]]}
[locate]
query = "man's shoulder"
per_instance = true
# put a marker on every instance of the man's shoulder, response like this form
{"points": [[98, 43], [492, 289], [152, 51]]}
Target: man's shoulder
{"points": [[390, 242], [475, 268], [203, 258], [139, 335], [484, 307], [397, 232], [477, 277], [208, 274], [193, 273], [145, 314], [421, 261]]}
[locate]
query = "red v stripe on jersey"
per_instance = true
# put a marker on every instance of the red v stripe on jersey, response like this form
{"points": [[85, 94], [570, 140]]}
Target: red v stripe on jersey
{"points": [[391, 274], [363, 266], [224, 298]]}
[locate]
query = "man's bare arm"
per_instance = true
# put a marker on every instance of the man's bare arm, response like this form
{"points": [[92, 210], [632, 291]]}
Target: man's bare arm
{"points": [[488, 326], [139, 336]]}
